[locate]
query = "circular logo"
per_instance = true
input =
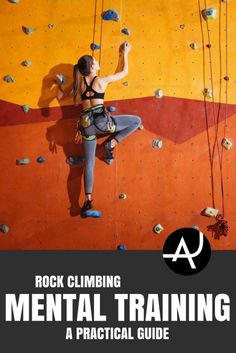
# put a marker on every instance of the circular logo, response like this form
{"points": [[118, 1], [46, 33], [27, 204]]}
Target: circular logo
{"points": [[186, 251]]}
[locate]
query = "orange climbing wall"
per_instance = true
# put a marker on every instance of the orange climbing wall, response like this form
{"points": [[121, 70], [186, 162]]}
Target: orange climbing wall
{"points": [[170, 186]]}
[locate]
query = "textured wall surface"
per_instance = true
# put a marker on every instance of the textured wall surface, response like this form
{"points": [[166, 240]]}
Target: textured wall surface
{"points": [[171, 185]]}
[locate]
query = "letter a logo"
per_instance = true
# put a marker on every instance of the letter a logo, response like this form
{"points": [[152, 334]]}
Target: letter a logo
{"points": [[186, 251]]}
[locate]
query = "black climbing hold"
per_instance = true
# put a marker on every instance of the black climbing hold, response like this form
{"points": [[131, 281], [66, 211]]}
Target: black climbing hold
{"points": [[125, 31], [208, 46], [111, 15], [226, 78]]}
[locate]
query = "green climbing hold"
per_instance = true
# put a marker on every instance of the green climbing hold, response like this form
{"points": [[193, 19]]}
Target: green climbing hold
{"points": [[4, 228], [22, 161], [14, 1], [27, 30], [26, 63], [9, 79], [25, 108]]}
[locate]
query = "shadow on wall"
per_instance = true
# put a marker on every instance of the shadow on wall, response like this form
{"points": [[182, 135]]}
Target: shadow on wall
{"points": [[49, 88], [62, 133]]}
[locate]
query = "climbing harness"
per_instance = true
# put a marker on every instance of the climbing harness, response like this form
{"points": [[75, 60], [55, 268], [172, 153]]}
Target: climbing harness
{"points": [[89, 117]]}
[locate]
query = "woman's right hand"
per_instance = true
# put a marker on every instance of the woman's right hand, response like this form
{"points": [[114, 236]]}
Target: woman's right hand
{"points": [[125, 48]]}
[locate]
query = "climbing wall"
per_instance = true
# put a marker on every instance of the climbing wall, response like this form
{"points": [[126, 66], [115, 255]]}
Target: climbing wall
{"points": [[176, 55]]}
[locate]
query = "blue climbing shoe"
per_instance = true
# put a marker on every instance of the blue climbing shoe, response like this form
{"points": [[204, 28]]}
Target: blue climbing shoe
{"points": [[93, 214]]}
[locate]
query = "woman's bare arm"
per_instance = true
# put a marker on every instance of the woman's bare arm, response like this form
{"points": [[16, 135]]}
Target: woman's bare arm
{"points": [[122, 67]]}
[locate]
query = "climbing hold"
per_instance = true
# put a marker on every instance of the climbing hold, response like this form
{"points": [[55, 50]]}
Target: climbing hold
{"points": [[158, 228], [27, 30], [227, 143], [25, 108], [61, 78], [93, 214], [111, 15], [209, 14], [193, 45], [210, 212], [121, 247], [159, 93], [22, 161], [26, 63], [14, 1], [4, 228], [51, 25], [108, 160], [195, 227], [94, 46], [41, 159], [208, 46], [157, 143], [75, 160], [122, 196], [183, 26], [141, 127], [126, 31], [226, 78], [9, 79], [208, 93], [126, 83], [111, 109]]}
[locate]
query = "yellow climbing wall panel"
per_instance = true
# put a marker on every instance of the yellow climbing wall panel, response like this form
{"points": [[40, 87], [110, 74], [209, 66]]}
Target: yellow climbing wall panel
{"points": [[161, 34]]}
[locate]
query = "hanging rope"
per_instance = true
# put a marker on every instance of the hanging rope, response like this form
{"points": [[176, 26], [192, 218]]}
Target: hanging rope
{"points": [[221, 227]]}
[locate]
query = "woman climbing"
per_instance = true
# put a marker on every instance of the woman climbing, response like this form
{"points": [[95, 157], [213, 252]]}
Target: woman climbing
{"points": [[94, 119]]}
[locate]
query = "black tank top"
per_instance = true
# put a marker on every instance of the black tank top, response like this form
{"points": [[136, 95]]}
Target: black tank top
{"points": [[89, 88]]}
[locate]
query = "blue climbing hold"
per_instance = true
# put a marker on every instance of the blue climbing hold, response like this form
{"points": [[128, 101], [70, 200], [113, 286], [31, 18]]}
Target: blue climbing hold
{"points": [[111, 15], [92, 213], [28, 30], [75, 160], [94, 46], [125, 31], [41, 159], [121, 247], [111, 108]]}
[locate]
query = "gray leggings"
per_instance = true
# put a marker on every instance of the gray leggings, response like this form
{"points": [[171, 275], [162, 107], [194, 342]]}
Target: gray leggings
{"points": [[125, 125]]}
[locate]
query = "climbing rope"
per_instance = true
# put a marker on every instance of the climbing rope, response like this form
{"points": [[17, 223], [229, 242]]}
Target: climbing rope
{"points": [[221, 227]]}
